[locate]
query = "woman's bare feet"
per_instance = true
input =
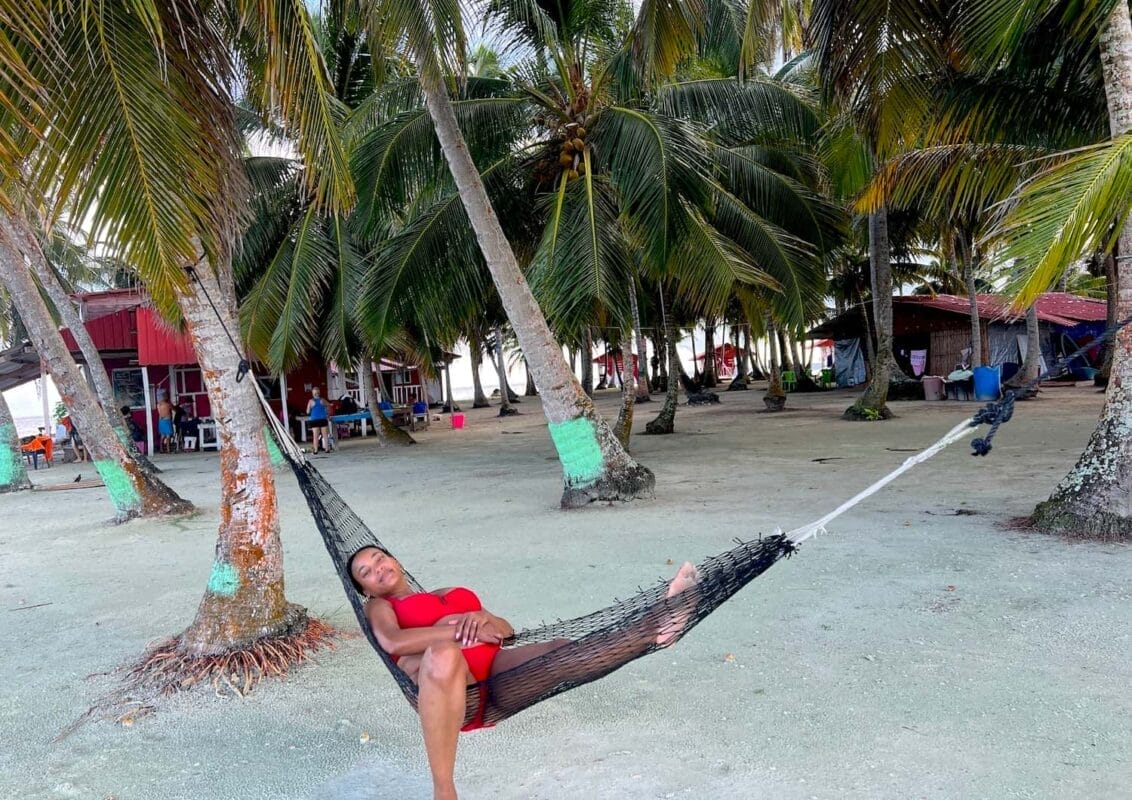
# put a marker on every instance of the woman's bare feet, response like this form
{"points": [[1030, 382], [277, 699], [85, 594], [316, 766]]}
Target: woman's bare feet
{"points": [[671, 628]]}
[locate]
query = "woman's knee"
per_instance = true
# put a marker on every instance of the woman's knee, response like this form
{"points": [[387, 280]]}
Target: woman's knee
{"points": [[443, 662]]}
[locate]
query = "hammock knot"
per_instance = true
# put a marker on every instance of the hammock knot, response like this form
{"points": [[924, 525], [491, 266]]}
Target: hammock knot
{"points": [[994, 414]]}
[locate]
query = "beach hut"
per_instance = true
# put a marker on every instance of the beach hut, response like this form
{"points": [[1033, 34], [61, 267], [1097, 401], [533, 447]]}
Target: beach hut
{"points": [[726, 360], [930, 333]]}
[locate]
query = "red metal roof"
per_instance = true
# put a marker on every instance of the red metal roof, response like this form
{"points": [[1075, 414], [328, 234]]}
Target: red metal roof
{"points": [[116, 331], [93, 305], [160, 345], [1058, 308]]}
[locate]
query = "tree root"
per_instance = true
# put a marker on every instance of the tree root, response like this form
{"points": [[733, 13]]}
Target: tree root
{"points": [[629, 483], [168, 669], [860, 413], [1060, 519]]}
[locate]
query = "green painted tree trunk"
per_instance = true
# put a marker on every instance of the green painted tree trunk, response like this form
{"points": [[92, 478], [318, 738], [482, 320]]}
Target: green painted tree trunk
{"points": [[133, 491], [595, 466], [1095, 499], [100, 381], [13, 470]]}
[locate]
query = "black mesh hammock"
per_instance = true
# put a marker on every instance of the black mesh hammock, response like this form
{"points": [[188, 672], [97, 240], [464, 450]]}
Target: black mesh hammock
{"points": [[588, 647]]}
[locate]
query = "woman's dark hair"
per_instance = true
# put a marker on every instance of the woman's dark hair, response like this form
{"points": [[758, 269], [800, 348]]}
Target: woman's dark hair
{"points": [[350, 563]]}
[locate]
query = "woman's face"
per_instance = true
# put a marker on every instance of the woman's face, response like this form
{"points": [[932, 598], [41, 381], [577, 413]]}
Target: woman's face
{"points": [[378, 573]]}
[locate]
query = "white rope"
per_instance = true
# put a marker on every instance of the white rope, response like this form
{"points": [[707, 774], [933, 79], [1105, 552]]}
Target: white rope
{"points": [[960, 431], [282, 435]]}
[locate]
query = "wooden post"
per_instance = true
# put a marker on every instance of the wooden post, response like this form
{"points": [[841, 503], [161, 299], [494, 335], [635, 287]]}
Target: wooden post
{"points": [[148, 413]]}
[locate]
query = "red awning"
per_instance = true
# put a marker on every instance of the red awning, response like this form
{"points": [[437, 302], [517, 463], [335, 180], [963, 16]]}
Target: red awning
{"points": [[112, 332], [160, 345], [726, 352]]}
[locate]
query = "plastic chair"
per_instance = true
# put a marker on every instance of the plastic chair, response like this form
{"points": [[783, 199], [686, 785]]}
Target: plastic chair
{"points": [[189, 443], [420, 414], [386, 409], [789, 380], [827, 377]]}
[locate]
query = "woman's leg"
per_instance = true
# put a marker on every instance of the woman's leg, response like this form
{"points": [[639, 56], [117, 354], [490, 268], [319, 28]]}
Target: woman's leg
{"points": [[443, 682]]}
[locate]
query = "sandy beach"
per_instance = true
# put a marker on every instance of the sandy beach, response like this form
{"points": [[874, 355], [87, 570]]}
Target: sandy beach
{"points": [[919, 651]]}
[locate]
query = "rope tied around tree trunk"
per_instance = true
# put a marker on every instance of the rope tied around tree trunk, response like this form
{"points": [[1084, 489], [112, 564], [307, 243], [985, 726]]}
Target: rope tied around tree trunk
{"points": [[245, 366]]}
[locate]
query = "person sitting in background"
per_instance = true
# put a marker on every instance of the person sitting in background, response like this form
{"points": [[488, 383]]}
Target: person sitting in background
{"points": [[190, 426], [76, 439], [132, 427]]}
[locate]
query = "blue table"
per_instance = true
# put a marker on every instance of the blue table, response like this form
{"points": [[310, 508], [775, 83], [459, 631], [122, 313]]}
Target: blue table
{"points": [[362, 417]]}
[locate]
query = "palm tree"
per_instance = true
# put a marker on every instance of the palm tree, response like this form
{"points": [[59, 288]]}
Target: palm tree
{"points": [[1081, 204], [60, 250], [133, 490], [156, 170], [872, 58], [595, 466]]}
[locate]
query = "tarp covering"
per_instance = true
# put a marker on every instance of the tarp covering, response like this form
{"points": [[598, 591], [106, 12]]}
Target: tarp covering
{"points": [[848, 362]]}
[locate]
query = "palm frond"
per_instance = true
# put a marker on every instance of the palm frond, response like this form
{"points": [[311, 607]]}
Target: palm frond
{"points": [[742, 111], [711, 265], [141, 144], [1071, 208], [651, 161], [279, 44], [583, 260]]}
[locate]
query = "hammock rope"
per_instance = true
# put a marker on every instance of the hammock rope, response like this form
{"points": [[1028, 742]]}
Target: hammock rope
{"points": [[578, 651]]}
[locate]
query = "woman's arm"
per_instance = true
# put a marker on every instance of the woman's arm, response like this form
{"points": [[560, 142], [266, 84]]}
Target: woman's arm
{"points": [[398, 641]]}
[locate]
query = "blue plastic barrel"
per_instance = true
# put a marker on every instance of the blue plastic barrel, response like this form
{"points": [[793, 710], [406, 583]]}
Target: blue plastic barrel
{"points": [[986, 383]]}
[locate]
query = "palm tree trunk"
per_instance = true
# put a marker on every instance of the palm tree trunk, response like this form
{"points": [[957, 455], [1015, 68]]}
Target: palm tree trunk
{"points": [[624, 426], [531, 390], [69, 316], [132, 490], [711, 374], [872, 405], [13, 470], [1095, 498], [1031, 364], [475, 352], [244, 600], [505, 408], [785, 361], [748, 363], [739, 382], [970, 265], [588, 365], [384, 431], [665, 421], [449, 400], [595, 465], [1112, 282], [775, 397], [642, 348]]}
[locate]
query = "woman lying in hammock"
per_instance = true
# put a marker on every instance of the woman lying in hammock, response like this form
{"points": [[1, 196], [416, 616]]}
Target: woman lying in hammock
{"points": [[446, 641]]}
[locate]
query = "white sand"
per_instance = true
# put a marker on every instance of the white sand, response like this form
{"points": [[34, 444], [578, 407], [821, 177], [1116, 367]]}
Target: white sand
{"points": [[913, 654]]}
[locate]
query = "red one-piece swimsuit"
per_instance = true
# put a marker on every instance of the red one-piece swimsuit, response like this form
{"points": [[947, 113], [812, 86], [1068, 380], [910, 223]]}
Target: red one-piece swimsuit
{"points": [[425, 609]]}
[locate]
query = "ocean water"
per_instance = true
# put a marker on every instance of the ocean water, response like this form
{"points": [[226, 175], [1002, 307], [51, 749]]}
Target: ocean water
{"points": [[26, 426]]}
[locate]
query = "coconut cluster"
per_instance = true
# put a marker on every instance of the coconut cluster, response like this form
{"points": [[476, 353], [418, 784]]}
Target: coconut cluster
{"points": [[571, 151]]}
